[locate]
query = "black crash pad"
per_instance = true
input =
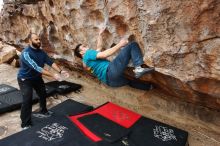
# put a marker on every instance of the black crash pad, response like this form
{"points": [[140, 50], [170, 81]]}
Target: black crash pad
{"points": [[64, 87], [4, 89], [148, 132], [68, 107], [50, 91], [113, 112], [12, 98], [57, 131], [4, 107], [143, 131], [12, 101], [104, 128], [153, 133], [122, 142], [15, 98]]}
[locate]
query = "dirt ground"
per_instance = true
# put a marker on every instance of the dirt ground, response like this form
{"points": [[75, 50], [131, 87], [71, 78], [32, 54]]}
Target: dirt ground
{"points": [[202, 124]]}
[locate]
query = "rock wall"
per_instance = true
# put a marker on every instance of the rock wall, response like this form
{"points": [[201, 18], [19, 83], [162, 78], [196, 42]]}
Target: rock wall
{"points": [[181, 39]]}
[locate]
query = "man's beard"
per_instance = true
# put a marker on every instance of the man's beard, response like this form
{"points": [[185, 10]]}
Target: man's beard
{"points": [[36, 45]]}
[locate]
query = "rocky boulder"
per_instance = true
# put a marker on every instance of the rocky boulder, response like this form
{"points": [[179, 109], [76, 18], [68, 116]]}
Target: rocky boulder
{"points": [[7, 53], [181, 39]]}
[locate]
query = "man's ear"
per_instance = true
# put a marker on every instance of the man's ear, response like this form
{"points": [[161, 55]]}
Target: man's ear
{"points": [[30, 42], [81, 52]]}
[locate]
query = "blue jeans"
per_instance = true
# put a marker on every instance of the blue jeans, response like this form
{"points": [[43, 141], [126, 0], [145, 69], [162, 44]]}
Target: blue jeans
{"points": [[116, 68]]}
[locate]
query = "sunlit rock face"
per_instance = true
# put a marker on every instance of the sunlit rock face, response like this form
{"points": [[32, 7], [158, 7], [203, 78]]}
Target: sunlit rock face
{"points": [[181, 39], [7, 53]]}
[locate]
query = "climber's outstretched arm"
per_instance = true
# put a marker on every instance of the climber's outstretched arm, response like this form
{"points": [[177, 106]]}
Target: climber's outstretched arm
{"points": [[100, 40]]}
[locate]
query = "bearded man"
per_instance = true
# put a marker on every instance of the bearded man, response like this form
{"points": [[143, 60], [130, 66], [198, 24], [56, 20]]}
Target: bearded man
{"points": [[32, 61]]}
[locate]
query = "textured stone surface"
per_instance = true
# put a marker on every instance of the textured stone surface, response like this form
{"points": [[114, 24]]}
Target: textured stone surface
{"points": [[181, 39], [7, 53]]}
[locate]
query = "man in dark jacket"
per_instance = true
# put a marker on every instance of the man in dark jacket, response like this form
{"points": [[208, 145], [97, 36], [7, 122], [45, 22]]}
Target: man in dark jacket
{"points": [[32, 61]]}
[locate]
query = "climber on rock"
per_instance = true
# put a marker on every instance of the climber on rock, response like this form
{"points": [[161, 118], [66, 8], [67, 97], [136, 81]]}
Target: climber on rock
{"points": [[111, 72]]}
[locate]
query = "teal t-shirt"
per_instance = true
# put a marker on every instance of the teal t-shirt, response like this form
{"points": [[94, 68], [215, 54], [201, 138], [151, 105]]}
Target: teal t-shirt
{"points": [[98, 66]]}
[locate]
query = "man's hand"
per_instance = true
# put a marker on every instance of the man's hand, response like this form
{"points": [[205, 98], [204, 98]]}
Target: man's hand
{"points": [[123, 42], [64, 74], [57, 77], [100, 39]]}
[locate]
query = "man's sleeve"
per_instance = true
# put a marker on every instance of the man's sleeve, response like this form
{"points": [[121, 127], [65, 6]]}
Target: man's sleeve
{"points": [[90, 55], [48, 60], [30, 62]]}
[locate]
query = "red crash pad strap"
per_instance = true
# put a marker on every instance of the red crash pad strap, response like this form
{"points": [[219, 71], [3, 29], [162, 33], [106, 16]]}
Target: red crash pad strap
{"points": [[85, 130]]}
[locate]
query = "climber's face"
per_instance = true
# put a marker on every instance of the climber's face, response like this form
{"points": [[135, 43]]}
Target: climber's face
{"points": [[35, 41], [83, 49]]}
